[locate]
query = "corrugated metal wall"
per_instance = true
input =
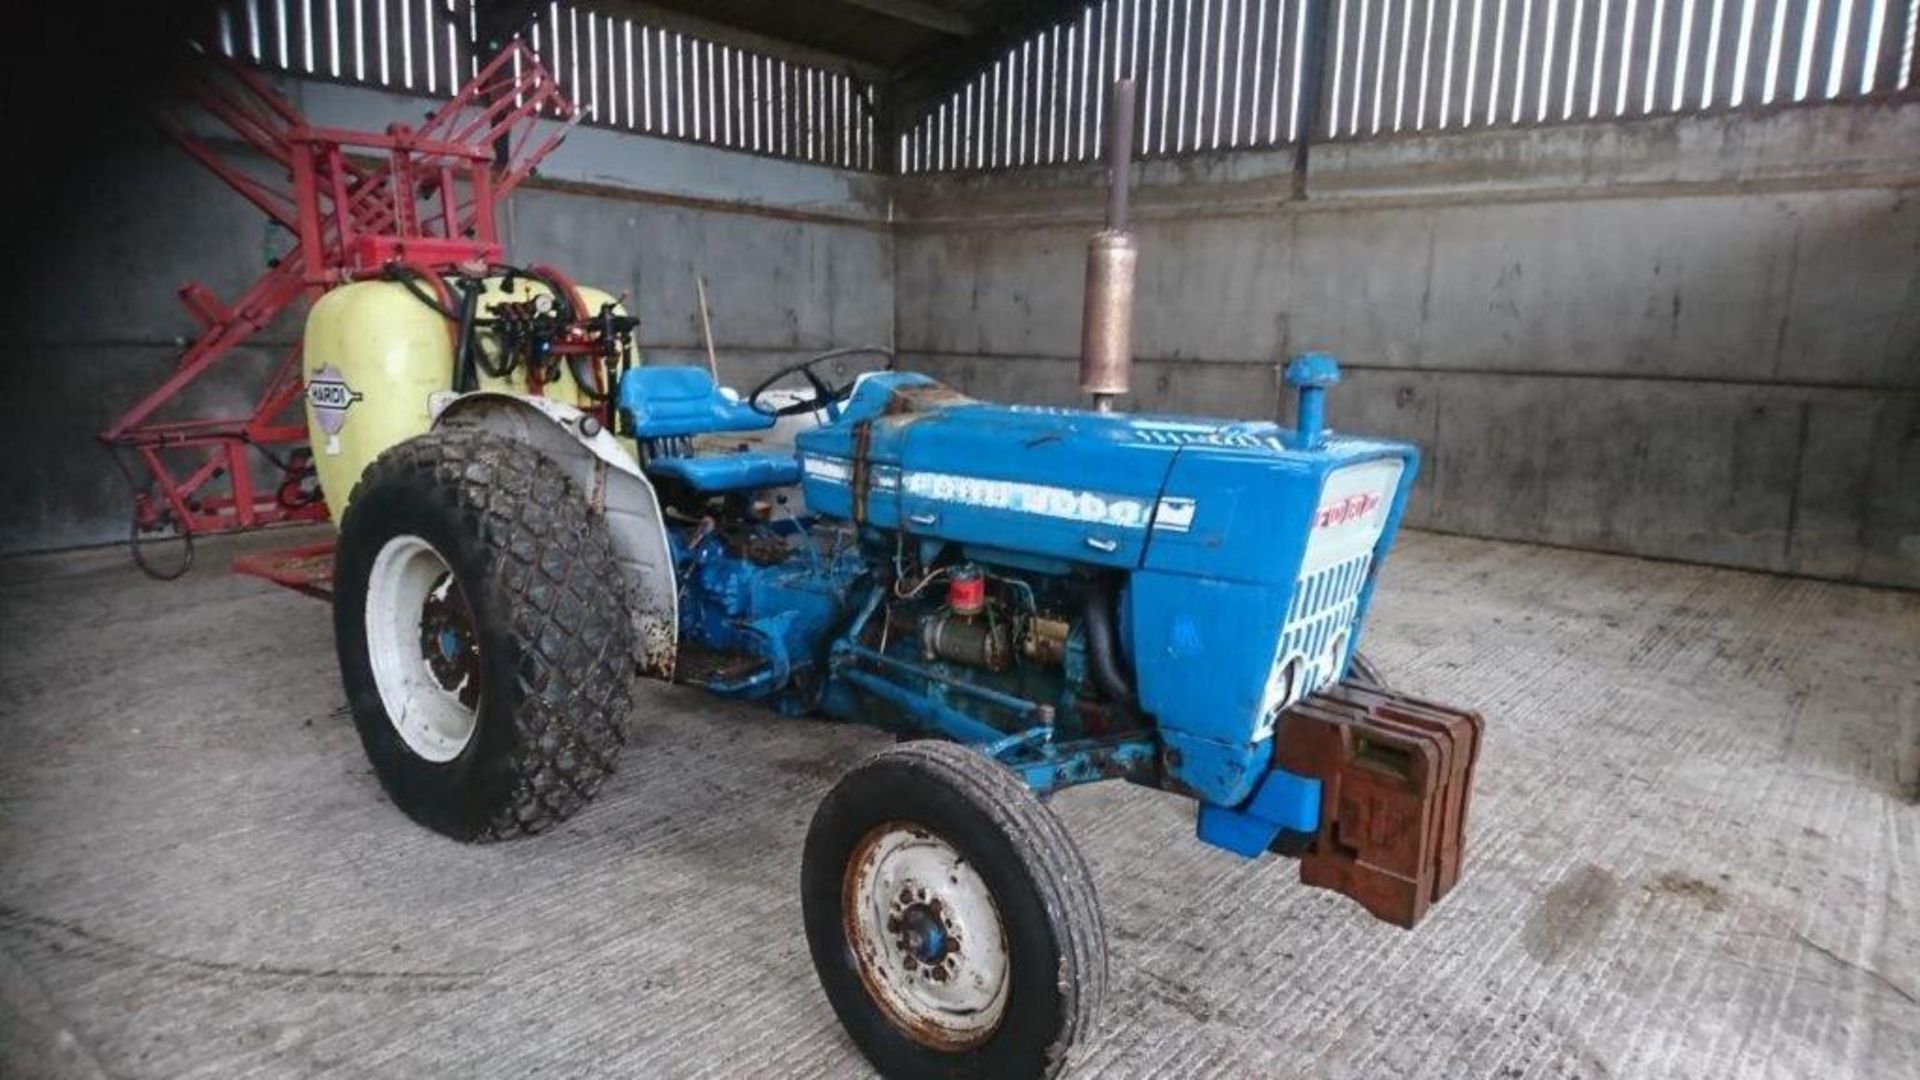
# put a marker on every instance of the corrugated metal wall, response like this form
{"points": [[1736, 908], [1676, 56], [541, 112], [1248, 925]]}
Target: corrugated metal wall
{"points": [[1230, 73], [623, 74]]}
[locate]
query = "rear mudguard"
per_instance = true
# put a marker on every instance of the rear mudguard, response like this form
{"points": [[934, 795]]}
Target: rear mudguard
{"points": [[615, 489]]}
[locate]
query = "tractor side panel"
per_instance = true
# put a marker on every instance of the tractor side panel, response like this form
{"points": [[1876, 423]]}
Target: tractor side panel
{"points": [[1253, 595], [1058, 484]]}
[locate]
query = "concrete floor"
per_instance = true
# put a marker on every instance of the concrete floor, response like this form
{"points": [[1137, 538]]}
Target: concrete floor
{"points": [[1695, 852]]}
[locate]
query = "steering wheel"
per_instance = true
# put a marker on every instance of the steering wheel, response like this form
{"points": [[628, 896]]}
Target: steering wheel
{"points": [[825, 395]]}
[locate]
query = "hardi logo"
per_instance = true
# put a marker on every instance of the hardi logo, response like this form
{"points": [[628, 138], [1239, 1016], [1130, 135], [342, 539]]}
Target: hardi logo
{"points": [[331, 397], [1352, 508]]}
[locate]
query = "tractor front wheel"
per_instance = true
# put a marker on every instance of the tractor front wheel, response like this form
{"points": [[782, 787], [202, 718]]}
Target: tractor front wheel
{"points": [[952, 922], [483, 635]]}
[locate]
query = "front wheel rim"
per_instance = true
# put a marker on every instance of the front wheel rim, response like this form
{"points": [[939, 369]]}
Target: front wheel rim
{"points": [[926, 936], [423, 648]]}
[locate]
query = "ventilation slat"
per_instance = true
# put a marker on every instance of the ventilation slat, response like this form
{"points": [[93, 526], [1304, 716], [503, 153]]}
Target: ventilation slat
{"points": [[1408, 59], [1663, 59], [1521, 66], [1854, 22], [1561, 71], [1211, 75], [620, 72], [1383, 45], [1891, 55], [1569, 97]]}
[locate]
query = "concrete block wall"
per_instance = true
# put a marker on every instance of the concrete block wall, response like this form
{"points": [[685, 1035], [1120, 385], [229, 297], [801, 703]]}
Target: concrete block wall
{"points": [[797, 260], [1693, 338]]}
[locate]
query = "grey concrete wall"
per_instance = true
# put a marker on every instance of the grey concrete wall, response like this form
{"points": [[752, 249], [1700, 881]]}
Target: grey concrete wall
{"points": [[797, 258], [1692, 338]]}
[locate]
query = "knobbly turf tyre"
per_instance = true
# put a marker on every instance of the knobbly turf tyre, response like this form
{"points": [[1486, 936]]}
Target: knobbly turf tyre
{"points": [[877, 839], [519, 672]]}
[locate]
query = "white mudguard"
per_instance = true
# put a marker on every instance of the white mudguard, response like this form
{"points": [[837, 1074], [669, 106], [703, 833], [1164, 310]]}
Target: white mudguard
{"points": [[615, 488]]}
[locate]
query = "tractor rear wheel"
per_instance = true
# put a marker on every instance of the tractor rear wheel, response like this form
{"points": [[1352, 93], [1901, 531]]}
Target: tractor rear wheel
{"points": [[952, 922], [483, 635]]}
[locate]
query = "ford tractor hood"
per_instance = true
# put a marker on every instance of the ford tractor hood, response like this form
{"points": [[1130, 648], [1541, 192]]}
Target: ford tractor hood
{"points": [[1181, 494], [1058, 485]]}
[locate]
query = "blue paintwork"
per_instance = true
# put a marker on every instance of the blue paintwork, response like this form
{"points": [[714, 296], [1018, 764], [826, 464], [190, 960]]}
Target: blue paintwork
{"points": [[665, 406], [1314, 369], [1311, 374], [1208, 606], [745, 470], [672, 402], [932, 938], [973, 473], [1284, 801], [1210, 523]]}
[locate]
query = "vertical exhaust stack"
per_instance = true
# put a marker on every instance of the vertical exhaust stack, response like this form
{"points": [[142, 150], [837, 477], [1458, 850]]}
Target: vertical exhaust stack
{"points": [[1106, 325]]}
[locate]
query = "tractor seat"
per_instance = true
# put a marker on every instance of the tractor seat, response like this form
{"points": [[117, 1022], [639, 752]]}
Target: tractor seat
{"points": [[717, 474], [676, 402], [669, 405]]}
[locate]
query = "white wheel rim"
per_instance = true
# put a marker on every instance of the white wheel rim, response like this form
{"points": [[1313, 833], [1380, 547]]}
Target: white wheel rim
{"points": [[926, 935], [409, 594]]}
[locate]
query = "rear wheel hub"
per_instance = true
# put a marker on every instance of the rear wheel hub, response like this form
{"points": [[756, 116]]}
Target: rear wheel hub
{"points": [[422, 648], [447, 640]]}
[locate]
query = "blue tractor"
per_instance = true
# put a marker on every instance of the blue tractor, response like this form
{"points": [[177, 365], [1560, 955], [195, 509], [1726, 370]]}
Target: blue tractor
{"points": [[1032, 597]]}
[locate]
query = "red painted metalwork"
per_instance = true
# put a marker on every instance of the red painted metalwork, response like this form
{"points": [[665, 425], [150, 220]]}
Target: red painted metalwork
{"points": [[307, 568], [356, 204]]}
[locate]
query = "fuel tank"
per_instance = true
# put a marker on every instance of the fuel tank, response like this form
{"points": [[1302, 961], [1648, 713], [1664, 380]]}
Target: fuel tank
{"points": [[372, 356]]}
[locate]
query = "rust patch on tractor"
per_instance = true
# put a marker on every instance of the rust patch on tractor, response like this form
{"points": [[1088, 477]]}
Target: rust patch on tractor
{"points": [[656, 645], [907, 400], [862, 469]]}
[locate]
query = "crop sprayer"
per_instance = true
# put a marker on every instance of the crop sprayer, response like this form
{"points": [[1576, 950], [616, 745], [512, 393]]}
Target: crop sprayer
{"points": [[530, 518]]}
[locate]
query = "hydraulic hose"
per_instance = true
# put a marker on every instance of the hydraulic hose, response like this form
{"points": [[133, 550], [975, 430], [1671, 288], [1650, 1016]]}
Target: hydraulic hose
{"points": [[406, 275], [464, 379], [183, 533], [1103, 649], [587, 380]]}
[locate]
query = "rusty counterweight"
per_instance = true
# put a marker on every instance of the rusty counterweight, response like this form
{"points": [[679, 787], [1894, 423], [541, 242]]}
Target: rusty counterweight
{"points": [[1396, 774]]}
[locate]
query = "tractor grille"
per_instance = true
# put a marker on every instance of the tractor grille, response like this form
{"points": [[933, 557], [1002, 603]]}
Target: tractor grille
{"points": [[1324, 603]]}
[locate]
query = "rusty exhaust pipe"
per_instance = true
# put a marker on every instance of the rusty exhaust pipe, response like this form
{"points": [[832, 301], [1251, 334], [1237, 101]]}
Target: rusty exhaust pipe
{"points": [[1106, 324]]}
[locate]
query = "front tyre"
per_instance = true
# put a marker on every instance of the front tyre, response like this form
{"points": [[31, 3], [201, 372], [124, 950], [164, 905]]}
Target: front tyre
{"points": [[483, 635], [952, 922]]}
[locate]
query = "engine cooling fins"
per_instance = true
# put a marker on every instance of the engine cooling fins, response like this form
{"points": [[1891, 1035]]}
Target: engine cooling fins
{"points": [[1396, 776]]}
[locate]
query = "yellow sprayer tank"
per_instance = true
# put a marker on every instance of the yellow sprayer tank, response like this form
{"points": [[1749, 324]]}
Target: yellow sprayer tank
{"points": [[374, 355]]}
